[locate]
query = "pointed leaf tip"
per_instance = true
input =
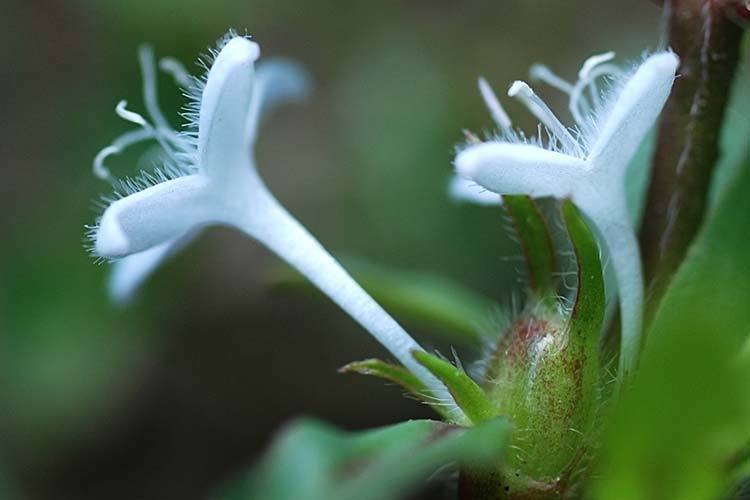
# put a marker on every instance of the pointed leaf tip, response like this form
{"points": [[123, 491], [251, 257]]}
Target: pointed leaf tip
{"points": [[468, 395], [398, 375]]}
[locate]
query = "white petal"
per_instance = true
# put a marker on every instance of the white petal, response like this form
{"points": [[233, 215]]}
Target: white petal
{"points": [[465, 190], [223, 145], [637, 105], [279, 81], [129, 273], [507, 168], [155, 215]]}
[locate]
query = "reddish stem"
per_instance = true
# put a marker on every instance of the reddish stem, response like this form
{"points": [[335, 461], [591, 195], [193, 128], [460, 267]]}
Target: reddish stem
{"points": [[707, 41]]}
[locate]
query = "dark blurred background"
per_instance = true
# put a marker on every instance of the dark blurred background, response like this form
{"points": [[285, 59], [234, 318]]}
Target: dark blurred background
{"points": [[182, 391]]}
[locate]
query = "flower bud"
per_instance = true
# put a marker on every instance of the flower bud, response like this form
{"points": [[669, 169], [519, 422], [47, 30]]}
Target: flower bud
{"points": [[545, 380]]}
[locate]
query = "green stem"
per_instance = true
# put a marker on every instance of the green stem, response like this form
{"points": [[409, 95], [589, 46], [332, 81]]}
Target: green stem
{"points": [[687, 149]]}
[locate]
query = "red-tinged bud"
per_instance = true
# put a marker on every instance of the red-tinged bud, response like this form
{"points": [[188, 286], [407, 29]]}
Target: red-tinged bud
{"points": [[544, 379]]}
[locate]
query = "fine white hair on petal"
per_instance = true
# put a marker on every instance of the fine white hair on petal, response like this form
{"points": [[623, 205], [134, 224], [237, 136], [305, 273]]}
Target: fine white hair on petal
{"points": [[465, 190]]}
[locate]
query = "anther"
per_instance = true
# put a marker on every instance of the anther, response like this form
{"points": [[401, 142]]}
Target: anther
{"points": [[521, 91], [131, 116]]}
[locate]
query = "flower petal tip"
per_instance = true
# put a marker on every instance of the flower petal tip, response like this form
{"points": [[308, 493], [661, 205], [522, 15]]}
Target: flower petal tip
{"points": [[111, 241], [666, 61], [239, 50], [466, 162]]}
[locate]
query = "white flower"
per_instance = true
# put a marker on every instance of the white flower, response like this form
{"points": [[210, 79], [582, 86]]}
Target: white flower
{"points": [[586, 163], [211, 179]]}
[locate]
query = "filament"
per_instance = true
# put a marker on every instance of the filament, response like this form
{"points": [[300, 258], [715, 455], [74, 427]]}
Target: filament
{"points": [[177, 71], [543, 73], [592, 62], [497, 112], [117, 146]]}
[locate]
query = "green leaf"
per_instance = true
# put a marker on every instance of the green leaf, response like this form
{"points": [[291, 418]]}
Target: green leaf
{"points": [[535, 241], [397, 374], [437, 303], [468, 395], [734, 140], [675, 433], [311, 460]]}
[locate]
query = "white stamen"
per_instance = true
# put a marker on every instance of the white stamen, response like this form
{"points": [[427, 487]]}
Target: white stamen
{"points": [[165, 134], [577, 99], [117, 146], [497, 112], [148, 70], [177, 71], [593, 62], [100, 170], [521, 91], [131, 116], [543, 73]]}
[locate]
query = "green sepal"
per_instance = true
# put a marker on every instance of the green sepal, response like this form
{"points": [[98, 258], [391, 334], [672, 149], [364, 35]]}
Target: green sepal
{"points": [[396, 374], [587, 317], [535, 240], [467, 394], [312, 460], [544, 374]]}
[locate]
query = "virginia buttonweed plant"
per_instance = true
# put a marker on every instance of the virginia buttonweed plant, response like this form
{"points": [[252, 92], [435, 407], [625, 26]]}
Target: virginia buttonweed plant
{"points": [[563, 401]]}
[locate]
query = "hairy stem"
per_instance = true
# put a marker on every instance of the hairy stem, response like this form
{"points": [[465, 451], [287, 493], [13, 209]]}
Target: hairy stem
{"points": [[707, 42]]}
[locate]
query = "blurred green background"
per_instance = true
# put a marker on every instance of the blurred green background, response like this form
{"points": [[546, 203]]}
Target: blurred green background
{"points": [[182, 391]]}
